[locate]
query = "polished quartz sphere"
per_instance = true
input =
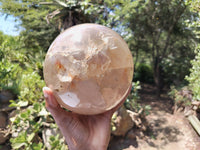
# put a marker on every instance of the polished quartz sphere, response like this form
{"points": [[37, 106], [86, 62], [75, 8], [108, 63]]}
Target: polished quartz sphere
{"points": [[89, 67]]}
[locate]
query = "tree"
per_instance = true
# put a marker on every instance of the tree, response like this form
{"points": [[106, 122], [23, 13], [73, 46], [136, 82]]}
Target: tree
{"points": [[194, 78], [42, 21], [157, 28], [73, 12], [36, 34]]}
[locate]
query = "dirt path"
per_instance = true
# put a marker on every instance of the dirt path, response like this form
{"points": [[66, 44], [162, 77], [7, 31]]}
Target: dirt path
{"points": [[166, 131]]}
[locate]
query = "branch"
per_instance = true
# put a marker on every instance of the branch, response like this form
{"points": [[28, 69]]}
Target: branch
{"points": [[45, 3], [51, 15], [175, 20], [61, 3]]}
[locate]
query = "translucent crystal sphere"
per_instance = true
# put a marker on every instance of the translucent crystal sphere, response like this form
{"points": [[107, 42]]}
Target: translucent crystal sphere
{"points": [[89, 67]]}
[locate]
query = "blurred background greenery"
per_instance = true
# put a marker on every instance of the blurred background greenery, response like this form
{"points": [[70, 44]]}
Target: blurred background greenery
{"points": [[163, 37]]}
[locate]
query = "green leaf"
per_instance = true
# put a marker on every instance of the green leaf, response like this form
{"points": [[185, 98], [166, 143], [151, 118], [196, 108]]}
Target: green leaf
{"points": [[18, 145], [63, 147], [36, 107], [19, 141], [37, 146], [30, 137], [24, 115], [12, 119], [43, 112], [61, 3], [22, 103], [12, 103]]}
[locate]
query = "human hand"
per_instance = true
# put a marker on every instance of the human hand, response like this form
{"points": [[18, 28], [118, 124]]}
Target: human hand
{"points": [[82, 132]]}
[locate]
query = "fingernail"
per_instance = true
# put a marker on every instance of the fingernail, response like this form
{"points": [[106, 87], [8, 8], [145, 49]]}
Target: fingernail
{"points": [[44, 91]]}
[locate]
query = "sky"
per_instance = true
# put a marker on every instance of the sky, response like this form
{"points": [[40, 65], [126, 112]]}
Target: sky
{"points": [[8, 25]]}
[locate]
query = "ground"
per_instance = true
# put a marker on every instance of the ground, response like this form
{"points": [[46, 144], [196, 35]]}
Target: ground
{"points": [[166, 130]]}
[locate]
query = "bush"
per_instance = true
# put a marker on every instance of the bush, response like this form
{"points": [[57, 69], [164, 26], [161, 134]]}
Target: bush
{"points": [[175, 69], [131, 102], [10, 68], [194, 77], [182, 96], [144, 73], [21, 74]]}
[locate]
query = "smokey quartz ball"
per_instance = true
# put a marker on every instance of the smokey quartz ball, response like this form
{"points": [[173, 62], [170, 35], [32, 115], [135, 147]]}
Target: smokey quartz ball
{"points": [[89, 67]]}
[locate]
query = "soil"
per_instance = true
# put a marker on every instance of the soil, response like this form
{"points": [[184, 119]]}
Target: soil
{"points": [[166, 131]]}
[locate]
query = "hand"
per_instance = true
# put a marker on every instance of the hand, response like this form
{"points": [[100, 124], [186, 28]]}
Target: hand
{"points": [[82, 132]]}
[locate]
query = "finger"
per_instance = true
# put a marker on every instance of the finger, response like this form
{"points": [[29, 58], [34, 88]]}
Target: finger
{"points": [[53, 106], [51, 101]]}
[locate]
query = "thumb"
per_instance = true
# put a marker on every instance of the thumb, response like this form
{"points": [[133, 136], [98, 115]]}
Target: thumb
{"points": [[54, 107], [51, 102]]}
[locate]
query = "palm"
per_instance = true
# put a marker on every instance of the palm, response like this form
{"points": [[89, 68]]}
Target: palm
{"points": [[81, 131]]}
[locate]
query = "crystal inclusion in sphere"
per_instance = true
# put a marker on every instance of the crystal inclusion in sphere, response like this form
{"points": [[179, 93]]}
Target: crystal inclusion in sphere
{"points": [[89, 67]]}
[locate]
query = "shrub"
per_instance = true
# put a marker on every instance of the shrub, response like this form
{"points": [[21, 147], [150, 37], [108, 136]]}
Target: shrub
{"points": [[32, 117], [182, 96], [20, 73], [144, 73], [194, 77], [10, 68], [175, 69], [131, 102]]}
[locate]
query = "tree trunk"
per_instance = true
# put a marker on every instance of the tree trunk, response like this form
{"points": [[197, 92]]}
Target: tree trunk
{"points": [[158, 76]]}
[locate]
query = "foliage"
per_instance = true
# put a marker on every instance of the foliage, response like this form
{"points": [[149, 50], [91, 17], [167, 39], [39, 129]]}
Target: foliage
{"points": [[42, 21], [73, 12], [27, 127], [10, 60], [30, 86], [185, 95], [144, 73], [182, 96], [57, 143], [175, 69], [131, 102], [194, 77], [36, 32], [157, 28], [21, 76]]}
